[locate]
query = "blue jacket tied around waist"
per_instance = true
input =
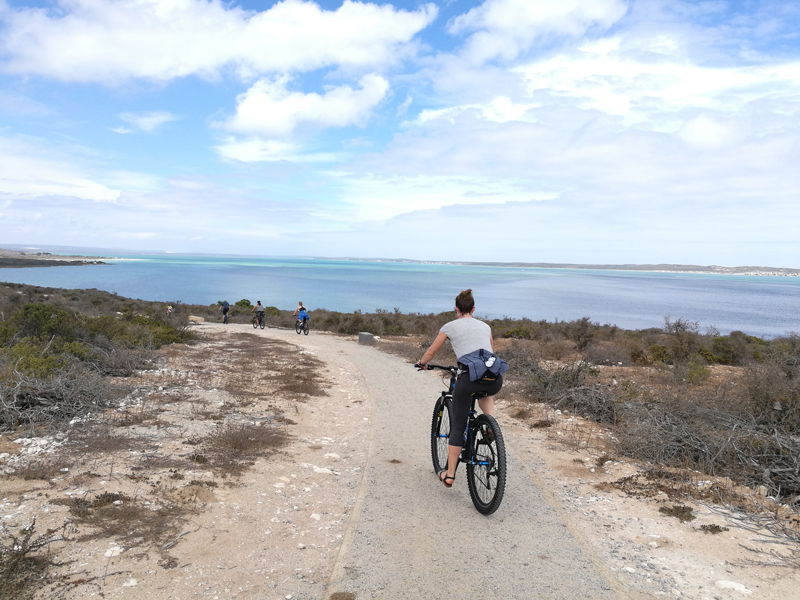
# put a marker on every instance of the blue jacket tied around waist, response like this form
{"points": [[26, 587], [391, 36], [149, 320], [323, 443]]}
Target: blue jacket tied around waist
{"points": [[480, 361]]}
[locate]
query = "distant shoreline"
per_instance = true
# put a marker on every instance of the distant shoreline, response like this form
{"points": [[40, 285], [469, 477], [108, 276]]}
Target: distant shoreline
{"points": [[19, 259], [12, 259], [660, 268]]}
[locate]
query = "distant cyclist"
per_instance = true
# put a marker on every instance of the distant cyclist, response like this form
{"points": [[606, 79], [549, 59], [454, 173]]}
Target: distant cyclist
{"points": [[301, 312], [225, 307], [259, 310], [169, 310]]}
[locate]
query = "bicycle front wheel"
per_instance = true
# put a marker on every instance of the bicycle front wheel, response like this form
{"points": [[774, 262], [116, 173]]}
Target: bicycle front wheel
{"points": [[440, 432], [486, 472], [298, 327]]}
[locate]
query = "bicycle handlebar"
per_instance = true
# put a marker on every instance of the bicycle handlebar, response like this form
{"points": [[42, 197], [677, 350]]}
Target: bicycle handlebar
{"points": [[442, 367]]}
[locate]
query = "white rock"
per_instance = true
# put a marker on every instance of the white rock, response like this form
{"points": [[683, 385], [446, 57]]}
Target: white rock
{"points": [[130, 583], [732, 585], [629, 569], [114, 551], [653, 545]]}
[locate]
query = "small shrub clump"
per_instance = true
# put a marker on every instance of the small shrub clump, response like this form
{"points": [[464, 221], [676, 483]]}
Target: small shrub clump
{"points": [[54, 360]]}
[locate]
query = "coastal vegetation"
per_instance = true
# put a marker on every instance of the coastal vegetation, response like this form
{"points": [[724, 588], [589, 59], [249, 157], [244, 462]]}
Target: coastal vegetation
{"points": [[63, 353], [725, 404], [676, 397]]}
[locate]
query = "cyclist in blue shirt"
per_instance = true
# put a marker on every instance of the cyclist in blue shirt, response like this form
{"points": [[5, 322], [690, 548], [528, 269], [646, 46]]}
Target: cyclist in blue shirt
{"points": [[300, 311]]}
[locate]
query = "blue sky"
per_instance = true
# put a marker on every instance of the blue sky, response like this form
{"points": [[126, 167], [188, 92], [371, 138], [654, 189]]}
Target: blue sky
{"points": [[593, 131]]}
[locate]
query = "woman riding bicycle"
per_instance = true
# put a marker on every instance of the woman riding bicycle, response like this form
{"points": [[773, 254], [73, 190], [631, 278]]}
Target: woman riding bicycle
{"points": [[300, 311], [468, 337], [259, 310]]}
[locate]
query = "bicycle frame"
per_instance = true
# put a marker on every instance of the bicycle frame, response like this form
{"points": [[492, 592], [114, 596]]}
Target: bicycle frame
{"points": [[467, 444], [482, 449]]}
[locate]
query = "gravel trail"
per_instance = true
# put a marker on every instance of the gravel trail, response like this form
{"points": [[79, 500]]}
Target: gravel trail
{"points": [[410, 537]]}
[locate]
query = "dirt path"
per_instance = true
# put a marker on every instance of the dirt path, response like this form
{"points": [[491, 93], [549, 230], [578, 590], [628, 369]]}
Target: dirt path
{"points": [[410, 537], [351, 509]]}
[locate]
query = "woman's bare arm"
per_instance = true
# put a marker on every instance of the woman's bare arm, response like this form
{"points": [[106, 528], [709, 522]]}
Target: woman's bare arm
{"points": [[434, 348]]}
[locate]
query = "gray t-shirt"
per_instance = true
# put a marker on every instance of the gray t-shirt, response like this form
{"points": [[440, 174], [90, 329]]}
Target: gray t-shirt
{"points": [[467, 335]]}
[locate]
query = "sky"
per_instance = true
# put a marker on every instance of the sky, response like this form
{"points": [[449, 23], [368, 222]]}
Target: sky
{"points": [[577, 131]]}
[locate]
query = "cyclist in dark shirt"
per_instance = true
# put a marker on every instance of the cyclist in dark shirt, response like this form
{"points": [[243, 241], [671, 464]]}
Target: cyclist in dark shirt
{"points": [[259, 310], [225, 307]]}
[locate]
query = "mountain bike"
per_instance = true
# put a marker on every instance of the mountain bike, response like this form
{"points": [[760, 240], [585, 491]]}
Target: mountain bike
{"points": [[258, 320], [301, 326], [483, 449]]}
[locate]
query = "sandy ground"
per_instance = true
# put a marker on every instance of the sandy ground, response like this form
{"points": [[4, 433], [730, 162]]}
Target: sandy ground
{"points": [[350, 508]]}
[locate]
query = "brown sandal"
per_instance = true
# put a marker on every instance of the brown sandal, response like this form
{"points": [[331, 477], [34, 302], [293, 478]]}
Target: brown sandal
{"points": [[446, 478]]}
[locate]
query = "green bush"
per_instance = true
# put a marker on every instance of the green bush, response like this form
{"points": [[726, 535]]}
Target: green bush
{"points": [[520, 332], [710, 357], [28, 357], [696, 373], [660, 354], [244, 303]]}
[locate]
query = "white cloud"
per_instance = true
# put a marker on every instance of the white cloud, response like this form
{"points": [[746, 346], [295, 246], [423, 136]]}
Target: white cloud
{"points": [[14, 103], [370, 197], [705, 131], [269, 109], [506, 28], [187, 214], [403, 108], [499, 110], [146, 121], [111, 41], [27, 170], [259, 150], [607, 77]]}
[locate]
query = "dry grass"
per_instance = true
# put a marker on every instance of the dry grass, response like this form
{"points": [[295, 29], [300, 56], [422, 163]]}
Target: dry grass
{"points": [[115, 515], [680, 511], [43, 469], [99, 438], [713, 528], [23, 565], [234, 446]]}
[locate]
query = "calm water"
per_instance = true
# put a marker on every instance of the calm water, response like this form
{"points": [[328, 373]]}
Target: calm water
{"points": [[764, 306]]}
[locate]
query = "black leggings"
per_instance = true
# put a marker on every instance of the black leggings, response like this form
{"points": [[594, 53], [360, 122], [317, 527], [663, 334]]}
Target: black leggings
{"points": [[462, 400]]}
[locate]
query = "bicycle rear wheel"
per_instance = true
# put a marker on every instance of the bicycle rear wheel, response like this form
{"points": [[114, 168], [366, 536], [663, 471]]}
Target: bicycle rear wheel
{"points": [[298, 327], [440, 431], [262, 322], [305, 327], [486, 472], [255, 322]]}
